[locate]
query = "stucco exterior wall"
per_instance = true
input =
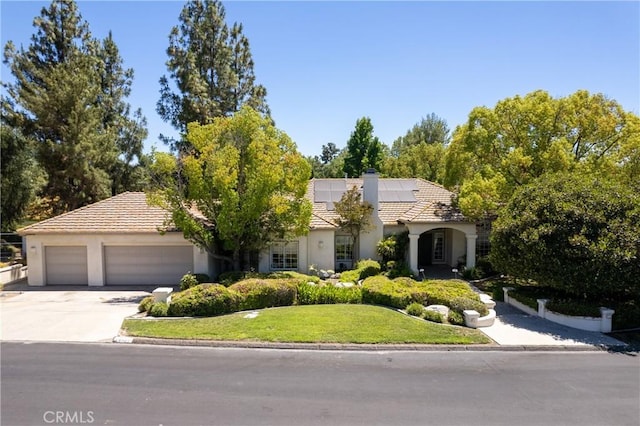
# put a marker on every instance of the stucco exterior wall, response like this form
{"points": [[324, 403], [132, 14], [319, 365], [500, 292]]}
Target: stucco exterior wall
{"points": [[321, 249], [458, 246], [95, 243]]}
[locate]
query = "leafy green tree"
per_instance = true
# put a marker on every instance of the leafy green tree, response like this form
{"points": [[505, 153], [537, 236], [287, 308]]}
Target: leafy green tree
{"points": [[431, 130], [21, 175], [354, 215], [329, 152], [522, 138], [364, 151], [68, 93], [332, 169], [575, 232], [422, 160], [212, 68], [244, 178]]}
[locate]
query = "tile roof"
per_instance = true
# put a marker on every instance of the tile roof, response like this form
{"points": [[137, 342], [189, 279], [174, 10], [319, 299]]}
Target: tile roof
{"points": [[432, 204], [124, 213]]}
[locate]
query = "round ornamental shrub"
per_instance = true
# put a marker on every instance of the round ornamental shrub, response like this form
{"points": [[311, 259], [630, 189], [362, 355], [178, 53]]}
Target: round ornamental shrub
{"points": [[367, 268], [204, 300], [265, 293], [145, 304], [460, 304], [350, 276], [415, 309], [159, 309]]}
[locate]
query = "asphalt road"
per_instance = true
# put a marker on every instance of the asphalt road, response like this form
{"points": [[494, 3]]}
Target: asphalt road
{"points": [[109, 384]]}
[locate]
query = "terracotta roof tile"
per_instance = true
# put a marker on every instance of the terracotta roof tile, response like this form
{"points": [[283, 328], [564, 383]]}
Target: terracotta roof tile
{"points": [[125, 213], [432, 204]]}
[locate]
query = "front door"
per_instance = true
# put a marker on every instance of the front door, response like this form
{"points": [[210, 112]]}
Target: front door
{"points": [[438, 248]]}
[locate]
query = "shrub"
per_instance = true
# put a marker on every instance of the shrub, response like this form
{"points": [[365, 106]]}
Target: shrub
{"points": [[159, 309], [415, 309], [460, 304], [572, 308], [350, 276], [228, 278], [398, 269], [327, 294], [145, 304], [202, 278], [380, 290], [187, 281], [433, 316], [405, 281], [627, 314], [367, 268], [456, 318], [204, 300], [265, 293]]}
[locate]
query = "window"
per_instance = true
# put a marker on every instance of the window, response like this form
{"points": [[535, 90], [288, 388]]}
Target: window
{"points": [[483, 245], [344, 252], [284, 255]]}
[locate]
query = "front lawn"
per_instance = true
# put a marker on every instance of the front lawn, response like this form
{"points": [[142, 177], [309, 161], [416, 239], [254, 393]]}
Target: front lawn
{"points": [[309, 324]]}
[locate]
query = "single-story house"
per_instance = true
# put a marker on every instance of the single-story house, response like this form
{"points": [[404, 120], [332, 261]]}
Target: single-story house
{"points": [[112, 242], [116, 241], [438, 233]]}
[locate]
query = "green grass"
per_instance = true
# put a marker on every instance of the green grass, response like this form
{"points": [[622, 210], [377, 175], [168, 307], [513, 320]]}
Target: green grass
{"points": [[309, 324]]}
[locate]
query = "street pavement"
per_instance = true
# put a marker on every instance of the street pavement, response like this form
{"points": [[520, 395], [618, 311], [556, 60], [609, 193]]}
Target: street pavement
{"points": [[163, 385]]}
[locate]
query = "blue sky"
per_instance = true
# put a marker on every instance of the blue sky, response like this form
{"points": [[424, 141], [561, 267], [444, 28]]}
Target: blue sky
{"points": [[326, 64]]}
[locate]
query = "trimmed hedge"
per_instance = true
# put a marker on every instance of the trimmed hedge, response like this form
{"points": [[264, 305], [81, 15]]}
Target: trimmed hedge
{"points": [[364, 268], [380, 290], [229, 278], [159, 309], [321, 294], [204, 300], [260, 293]]}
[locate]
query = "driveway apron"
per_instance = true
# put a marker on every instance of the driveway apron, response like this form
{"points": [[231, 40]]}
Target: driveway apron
{"points": [[80, 315]]}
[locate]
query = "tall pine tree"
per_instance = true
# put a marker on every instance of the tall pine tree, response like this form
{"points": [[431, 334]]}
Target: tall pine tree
{"points": [[211, 67], [69, 92]]}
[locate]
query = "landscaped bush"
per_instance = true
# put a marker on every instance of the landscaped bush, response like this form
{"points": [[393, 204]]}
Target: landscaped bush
{"points": [[627, 314], [327, 294], [380, 290], [204, 300], [456, 318], [441, 292], [350, 276], [265, 293], [159, 309], [228, 278], [367, 268], [573, 308], [461, 304], [145, 304], [398, 269], [405, 281], [187, 281], [433, 316], [415, 309]]}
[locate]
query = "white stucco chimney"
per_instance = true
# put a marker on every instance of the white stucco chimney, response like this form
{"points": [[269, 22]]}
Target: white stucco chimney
{"points": [[369, 240]]}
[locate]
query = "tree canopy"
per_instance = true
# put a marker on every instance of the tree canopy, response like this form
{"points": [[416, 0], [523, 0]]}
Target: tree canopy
{"points": [[522, 138], [211, 67], [364, 151], [575, 232], [69, 96], [354, 215], [241, 186]]}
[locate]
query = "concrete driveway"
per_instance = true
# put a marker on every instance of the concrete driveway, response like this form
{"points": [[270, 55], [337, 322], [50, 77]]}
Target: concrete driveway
{"points": [[66, 314]]}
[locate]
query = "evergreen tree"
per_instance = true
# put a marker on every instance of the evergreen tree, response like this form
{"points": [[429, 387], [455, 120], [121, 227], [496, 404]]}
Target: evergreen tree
{"points": [[212, 68], [69, 89], [363, 149]]}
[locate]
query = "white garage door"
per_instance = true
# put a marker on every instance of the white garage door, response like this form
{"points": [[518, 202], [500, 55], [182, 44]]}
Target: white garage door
{"points": [[148, 265], [66, 265]]}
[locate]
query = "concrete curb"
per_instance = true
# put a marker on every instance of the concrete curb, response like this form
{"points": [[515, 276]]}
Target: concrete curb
{"points": [[367, 347]]}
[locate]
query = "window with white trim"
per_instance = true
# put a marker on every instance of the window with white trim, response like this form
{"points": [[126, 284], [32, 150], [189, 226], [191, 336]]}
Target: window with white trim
{"points": [[344, 252], [284, 255]]}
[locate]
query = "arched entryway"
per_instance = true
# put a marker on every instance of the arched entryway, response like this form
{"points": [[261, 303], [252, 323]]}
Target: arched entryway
{"points": [[433, 248], [441, 244]]}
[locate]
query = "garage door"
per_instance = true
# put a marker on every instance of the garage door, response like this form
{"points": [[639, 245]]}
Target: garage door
{"points": [[66, 265], [148, 265]]}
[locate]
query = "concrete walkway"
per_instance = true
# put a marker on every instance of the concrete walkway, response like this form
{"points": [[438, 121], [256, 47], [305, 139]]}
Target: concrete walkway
{"points": [[514, 327]]}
